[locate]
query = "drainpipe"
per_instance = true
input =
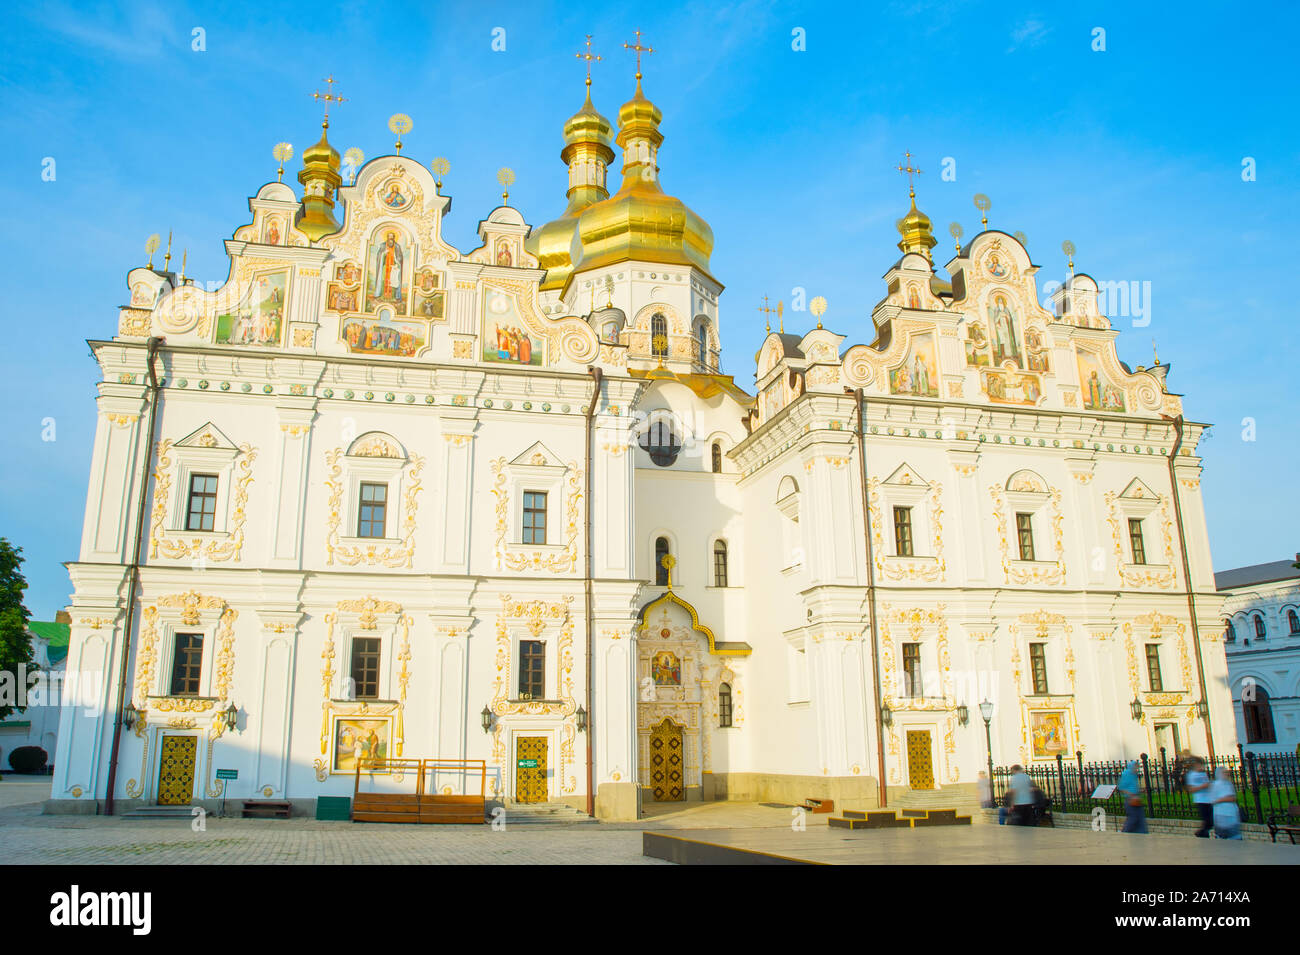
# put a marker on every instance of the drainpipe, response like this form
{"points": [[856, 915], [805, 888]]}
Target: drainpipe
{"points": [[153, 345], [861, 401], [1187, 578], [594, 371]]}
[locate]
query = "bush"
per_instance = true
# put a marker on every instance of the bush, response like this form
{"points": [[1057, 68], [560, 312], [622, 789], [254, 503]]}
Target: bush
{"points": [[28, 759]]}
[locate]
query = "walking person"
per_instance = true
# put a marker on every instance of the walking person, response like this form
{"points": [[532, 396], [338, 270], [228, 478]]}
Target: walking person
{"points": [[1223, 800], [1021, 789], [1197, 782], [984, 785], [1130, 789]]}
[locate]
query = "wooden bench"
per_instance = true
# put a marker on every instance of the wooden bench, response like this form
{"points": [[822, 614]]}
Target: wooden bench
{"points": [[267, 809], [1289, 823]]}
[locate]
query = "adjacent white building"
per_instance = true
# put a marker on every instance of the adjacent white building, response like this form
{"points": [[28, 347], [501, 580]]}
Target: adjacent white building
{"points": [[1261, 620], [408, 501], [37, 722]]}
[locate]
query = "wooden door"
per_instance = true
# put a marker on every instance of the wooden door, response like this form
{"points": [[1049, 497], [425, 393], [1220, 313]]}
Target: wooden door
{"points": [[176, 770], [530, 769], [666, 762], [920, 760]]}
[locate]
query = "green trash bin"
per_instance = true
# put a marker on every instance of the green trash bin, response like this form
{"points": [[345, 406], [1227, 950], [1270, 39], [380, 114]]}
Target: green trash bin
{"points": [[334, 807]]}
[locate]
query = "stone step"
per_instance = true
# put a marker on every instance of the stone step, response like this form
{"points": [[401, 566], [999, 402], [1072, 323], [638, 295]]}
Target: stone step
{"points": [[160, 812]]}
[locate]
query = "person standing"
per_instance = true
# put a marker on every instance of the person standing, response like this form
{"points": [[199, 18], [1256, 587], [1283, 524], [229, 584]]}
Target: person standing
{"points": [[1222, 796], [1135, 817], [1021, 788], [985, 788], [1197, 782]]}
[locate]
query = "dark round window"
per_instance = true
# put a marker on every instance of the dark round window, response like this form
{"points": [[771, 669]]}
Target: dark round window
{"points": [[661, 441]]}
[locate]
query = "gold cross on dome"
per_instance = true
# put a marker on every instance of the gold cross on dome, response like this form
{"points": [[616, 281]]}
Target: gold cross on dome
{"points": [[328, 97], [669, 562], [768, 312], [588, 56], [911, 192], [639, 50]]}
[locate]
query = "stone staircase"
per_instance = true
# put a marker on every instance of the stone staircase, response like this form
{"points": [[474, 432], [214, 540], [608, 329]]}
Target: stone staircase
{"points": [[897, 819], [542, 813], [930, 799]]}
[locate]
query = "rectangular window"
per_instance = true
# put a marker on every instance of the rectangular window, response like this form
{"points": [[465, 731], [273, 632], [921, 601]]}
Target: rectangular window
{"points": [[1038, 667], [371, 513], [534, 517], [903, 531], [1025, 534], [187, 664], [532, 670], [202, 509], [1153, 667], [724, 705], [719, 564], [1135, 541], [365, 667], [912, 670]]}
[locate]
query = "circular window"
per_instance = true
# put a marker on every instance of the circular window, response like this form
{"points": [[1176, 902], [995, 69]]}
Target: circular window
{"points": [[661, 441]]}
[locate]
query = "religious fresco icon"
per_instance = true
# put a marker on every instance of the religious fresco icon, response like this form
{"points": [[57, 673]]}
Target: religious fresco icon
{"points": [[340, 299], [1035, 351], [349, 273], [271, 231], [430, 299], [366, 740], [1006, 339], [385, 335], [996, 267], [977, 346], [258, 318], [1010, 386], [390, 262], [503, 256], [919, 373], [1050, 732], [393, 197], [666, 669], [504, 336], [1098, 393]]}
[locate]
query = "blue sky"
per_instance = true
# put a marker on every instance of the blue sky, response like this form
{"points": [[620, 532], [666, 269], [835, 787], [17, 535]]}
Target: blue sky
{"points": [[1135, 154]]}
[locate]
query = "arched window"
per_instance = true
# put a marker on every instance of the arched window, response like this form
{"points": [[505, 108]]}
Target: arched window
{"points": [[702, 342], [1293, 621], [661, 441], [1229, 632], [724, 704], [720, 563], [659, 335], [717, 469], [661, 551], [1259, 628], [1257, 712]]}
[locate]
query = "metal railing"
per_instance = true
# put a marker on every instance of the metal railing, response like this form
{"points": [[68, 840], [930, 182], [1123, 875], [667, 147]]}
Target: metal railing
{"points": [[1266, 784]]}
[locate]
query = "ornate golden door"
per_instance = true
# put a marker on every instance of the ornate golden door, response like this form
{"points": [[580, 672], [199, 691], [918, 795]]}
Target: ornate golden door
{"points": [[666, 760], [530, 769], [176, 770], [920, 764]]}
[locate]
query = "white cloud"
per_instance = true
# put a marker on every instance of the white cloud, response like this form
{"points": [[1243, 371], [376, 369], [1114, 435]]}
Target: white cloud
{"points": [[1030, 33]]}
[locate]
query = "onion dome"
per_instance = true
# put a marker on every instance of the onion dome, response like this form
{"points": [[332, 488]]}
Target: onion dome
{"points": [[320, 180], [915, 227], [916, 230], [588, 151], [641, 222]]}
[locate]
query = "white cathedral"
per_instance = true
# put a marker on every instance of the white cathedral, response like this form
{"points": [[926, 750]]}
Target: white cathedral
{"points": [[376, 499]]}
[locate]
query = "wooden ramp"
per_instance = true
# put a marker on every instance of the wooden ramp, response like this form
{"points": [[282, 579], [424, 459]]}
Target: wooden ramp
{"points": [[421, 806]]}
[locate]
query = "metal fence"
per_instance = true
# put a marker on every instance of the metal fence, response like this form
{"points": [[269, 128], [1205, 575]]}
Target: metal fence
{"points": [[1266, 784]]}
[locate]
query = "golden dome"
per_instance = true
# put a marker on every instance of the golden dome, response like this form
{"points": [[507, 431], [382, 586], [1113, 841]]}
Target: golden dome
{"points": [[588, 151], [320, 179], [641, 222], [915, 228]]}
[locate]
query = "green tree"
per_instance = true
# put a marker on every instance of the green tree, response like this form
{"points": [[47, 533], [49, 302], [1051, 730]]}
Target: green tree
{"points": [[15, 641]]}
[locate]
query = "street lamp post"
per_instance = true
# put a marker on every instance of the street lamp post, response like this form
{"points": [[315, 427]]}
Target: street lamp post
{"points": [[986, 711]]}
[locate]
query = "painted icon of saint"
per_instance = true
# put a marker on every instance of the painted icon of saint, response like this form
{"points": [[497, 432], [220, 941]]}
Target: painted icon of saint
{"points": [[394, 199], [1006, 343], [386, 281]]}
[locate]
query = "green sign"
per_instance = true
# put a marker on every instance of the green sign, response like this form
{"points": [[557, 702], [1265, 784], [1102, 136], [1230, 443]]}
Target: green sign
{"points": [[527, 764], [227, 774]]}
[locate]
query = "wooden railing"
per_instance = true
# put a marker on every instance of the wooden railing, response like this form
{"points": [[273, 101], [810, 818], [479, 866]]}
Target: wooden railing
{"points": [[420, 806]]}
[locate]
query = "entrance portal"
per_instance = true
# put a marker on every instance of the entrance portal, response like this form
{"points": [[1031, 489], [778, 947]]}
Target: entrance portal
{"points": [[666, 762], [920, 761], [530, 769], [176, 770]]}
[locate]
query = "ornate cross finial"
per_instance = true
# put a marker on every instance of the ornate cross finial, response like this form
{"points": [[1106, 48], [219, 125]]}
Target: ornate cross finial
{"points": [[911, 191], [669, 562], [639, 50], [767, 312], [589, 56], [780, 316], [328, 97]]}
